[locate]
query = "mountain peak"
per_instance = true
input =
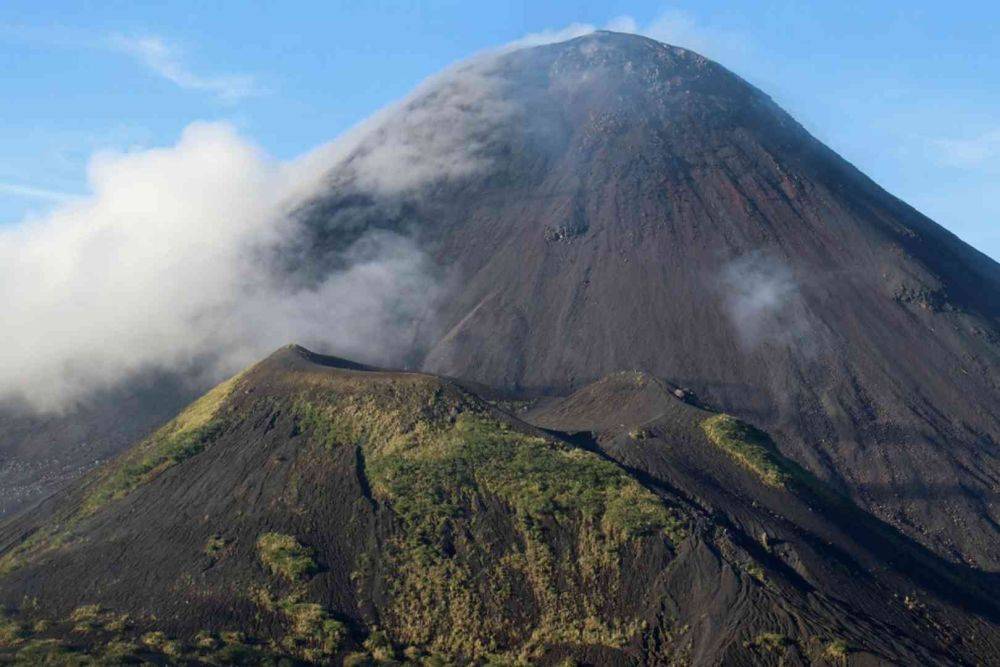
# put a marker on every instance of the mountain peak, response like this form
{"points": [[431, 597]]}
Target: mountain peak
{"points": [[294, 355], [611, 203]]}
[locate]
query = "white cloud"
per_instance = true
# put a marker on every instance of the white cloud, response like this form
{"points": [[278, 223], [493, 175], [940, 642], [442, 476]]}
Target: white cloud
{"points": [[172, 260], [436, 132], [169, 264], [671, 26], [550, 36], [763, 301], [979, 152], [165, 60], [680, 28]]}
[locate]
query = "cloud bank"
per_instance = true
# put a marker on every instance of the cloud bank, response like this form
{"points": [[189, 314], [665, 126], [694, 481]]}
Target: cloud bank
{"points": [[179, 257], [438, 131], [168, 264]]}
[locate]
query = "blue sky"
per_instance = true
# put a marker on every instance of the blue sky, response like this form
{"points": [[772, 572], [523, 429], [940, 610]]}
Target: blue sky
{"points": [[909, 92]]}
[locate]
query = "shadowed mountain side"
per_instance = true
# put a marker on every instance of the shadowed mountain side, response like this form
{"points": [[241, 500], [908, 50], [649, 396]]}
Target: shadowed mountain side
{"points": [[310, 509], [41, 453], [659, 438]]}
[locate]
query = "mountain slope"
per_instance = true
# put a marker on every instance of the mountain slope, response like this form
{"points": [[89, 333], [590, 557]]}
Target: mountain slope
{"points": [[322, 508], [41, 453], [631, 205]]}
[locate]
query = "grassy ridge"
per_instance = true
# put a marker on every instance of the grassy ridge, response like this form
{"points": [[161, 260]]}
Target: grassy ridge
{"points": [[749, 447], [538, 478], [437, 460], [437, 481], [451, 476], [436, 490], [183, 437]]}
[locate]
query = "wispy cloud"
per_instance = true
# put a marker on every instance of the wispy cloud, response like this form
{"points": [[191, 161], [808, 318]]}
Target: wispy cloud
{"points": [[30, 192], [982, 151], [165, 59], [671, 26], [550, 36], [679, 28], [156, 53]]}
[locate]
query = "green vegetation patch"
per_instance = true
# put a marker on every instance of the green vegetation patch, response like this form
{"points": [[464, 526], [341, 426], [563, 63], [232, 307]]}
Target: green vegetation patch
{"points": [[437, 477], [118, 652], [49, 538], [771, 642], [88, 613], [326, 425], [284, 556], [540, 479], [12, 633], [240, 654], [314, 639], [206, 641], [836, 650], [755, 570], [88, 618], [52, 652], [233, 637], [749, 447], [94, 618], [314, 634], [164, 451], [215, 545]]}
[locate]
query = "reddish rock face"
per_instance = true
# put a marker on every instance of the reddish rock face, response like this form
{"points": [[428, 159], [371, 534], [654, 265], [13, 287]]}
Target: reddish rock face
{"points": [[631, 205]]}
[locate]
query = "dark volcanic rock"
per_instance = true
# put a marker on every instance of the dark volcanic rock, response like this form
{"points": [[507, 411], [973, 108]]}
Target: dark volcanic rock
{"points": [[641, 207], [320, 508]]}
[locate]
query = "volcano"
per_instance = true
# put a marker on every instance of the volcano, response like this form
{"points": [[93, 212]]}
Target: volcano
{"points": [[634, 206], [697, 391]]}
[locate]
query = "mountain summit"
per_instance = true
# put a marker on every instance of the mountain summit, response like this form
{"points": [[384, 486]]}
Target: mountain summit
{"points": [[612, 203]]}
